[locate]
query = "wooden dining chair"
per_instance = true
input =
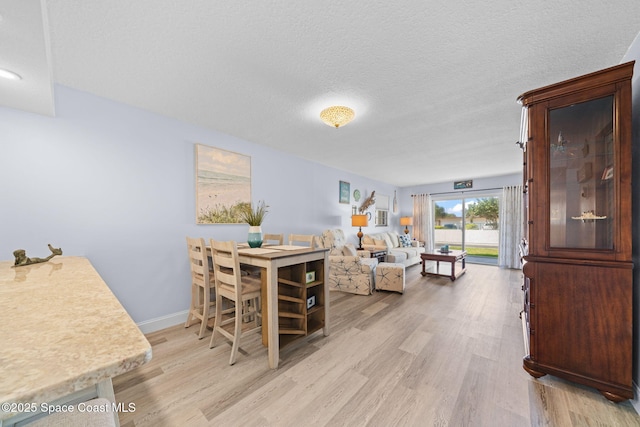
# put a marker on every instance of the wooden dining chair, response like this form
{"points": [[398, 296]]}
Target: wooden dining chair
{"points": [[274, 239], [243, 292], [302, 240], [202, 286]]}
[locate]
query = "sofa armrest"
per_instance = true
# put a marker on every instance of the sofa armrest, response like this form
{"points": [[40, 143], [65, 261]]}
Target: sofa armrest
{"points": [[417, 244]]}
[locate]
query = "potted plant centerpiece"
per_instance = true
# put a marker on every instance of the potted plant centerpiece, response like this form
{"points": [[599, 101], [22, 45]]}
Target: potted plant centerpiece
{"points": [[254, 218]]}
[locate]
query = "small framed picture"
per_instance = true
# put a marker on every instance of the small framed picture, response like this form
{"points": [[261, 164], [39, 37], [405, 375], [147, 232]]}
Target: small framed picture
{"points": [[345, 192], [311, 301], [311, 276], [458, 185]]}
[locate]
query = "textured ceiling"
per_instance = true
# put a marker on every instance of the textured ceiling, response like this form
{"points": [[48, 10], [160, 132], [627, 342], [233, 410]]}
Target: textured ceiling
{"points": [[433, 83]]}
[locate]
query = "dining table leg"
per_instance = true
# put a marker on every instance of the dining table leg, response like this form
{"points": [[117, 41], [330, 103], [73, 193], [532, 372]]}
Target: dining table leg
{"points": [[272, 314], [264, 297]]}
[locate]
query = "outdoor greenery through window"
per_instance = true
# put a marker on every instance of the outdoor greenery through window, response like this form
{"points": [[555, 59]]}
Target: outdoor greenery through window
{"points": [[469, 224]]}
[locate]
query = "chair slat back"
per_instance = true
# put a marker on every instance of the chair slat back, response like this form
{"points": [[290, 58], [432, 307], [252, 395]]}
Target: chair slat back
{"points": [[226, 265], [305, 239], [273, 238], [198, 260]]}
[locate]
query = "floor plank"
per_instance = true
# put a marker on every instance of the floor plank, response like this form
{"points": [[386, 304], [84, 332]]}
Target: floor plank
{"points": [[441, 354]]}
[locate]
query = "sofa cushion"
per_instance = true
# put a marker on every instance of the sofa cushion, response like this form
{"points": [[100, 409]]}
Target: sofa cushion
{"points": [[387, 239], [395, 239], [411, 251], [367, 240], [381, 242], [331, 239], [397, 256], [405, 241], [349, 250]]}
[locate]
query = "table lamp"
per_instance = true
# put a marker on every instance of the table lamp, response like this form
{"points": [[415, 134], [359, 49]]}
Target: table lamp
{"points": [[406, 221], [359, 221]]}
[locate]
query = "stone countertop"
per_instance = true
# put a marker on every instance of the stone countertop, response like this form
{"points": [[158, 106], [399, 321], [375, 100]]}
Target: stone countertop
{"points": [[61, 330]]}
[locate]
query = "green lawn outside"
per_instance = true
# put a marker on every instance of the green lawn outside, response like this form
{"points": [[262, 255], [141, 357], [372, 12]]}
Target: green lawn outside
{"points": [[488, 252]]}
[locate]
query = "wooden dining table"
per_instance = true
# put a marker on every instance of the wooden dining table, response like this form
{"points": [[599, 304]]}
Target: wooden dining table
{"points": [[270, 258], [63, 336]]}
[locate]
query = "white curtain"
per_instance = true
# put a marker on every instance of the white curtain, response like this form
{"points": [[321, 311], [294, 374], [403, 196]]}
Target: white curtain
{"points": [[423, 223], [511, 217]]}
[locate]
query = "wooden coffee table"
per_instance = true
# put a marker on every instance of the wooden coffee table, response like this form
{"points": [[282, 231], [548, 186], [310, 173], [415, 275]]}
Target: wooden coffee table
{"points": [[451, 257]]}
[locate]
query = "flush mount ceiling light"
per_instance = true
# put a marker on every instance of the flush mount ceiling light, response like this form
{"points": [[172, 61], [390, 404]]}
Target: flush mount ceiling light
{"points": [[337, 116], [9, 74]]}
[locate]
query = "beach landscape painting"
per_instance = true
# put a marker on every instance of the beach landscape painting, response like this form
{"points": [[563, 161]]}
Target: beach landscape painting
{"points": [[223, 185]]}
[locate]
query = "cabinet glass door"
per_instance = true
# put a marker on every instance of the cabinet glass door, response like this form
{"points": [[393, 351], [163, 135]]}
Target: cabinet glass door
{"points": [[581, 181]]}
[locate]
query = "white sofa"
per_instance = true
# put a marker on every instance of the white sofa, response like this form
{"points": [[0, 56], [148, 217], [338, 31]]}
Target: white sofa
{"points": [[397, 251]]}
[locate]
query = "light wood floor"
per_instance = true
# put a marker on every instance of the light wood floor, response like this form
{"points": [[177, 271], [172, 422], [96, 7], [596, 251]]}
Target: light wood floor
{"points": [[443, 354]]}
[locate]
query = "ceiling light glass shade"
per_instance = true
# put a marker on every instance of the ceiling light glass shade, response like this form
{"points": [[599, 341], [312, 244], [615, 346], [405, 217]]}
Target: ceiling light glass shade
{"points": [[337, 116], [9, 74]]}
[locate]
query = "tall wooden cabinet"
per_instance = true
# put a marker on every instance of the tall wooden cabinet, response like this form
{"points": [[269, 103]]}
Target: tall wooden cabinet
{"points": [[578, 270]]}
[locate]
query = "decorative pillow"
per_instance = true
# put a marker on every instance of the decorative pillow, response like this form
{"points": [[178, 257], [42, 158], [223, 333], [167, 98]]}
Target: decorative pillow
{"points": [[395, 239], [388, 240], [349, 250], [405, 240], [367, 240], [380, 242]]}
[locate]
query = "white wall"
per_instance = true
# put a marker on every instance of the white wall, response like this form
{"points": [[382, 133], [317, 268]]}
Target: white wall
{"points": [[479, 184], [116, 184], [484, 238]]}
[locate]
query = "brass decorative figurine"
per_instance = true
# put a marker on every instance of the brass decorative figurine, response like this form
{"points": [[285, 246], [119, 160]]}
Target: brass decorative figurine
{"points": [[22, 259]]}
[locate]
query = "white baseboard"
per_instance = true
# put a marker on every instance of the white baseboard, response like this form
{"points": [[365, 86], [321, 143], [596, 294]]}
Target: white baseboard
{"points": [[163, 322]]}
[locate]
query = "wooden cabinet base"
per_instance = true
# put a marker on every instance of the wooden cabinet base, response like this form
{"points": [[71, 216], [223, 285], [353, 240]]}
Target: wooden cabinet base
{"points": [[613, 392], [527, 363], [615, 397]]}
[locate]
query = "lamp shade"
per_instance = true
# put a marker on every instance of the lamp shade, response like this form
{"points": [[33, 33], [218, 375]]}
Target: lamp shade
{"points": [[359, 220], [406, 220], [337, 116]]}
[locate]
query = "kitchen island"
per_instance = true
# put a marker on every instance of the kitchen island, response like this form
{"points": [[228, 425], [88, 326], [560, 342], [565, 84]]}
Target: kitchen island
{"points": [[63, 336]]}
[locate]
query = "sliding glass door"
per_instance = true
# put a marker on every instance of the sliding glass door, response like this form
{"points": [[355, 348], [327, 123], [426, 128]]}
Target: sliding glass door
{"points": [[449, 223], [470, 224]]}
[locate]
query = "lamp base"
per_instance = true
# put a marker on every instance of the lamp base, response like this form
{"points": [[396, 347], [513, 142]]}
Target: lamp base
{"points": [[360, 234], [406, 230]]}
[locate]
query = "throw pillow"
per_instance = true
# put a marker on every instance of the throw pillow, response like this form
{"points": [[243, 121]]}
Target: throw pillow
{"points": [[405, 241], [381, 242], [388, 240], [349, 250], [395, 239]]}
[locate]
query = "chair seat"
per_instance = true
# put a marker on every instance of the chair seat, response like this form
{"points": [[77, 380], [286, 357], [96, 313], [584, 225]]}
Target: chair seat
{"points": [[249, 285]]}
